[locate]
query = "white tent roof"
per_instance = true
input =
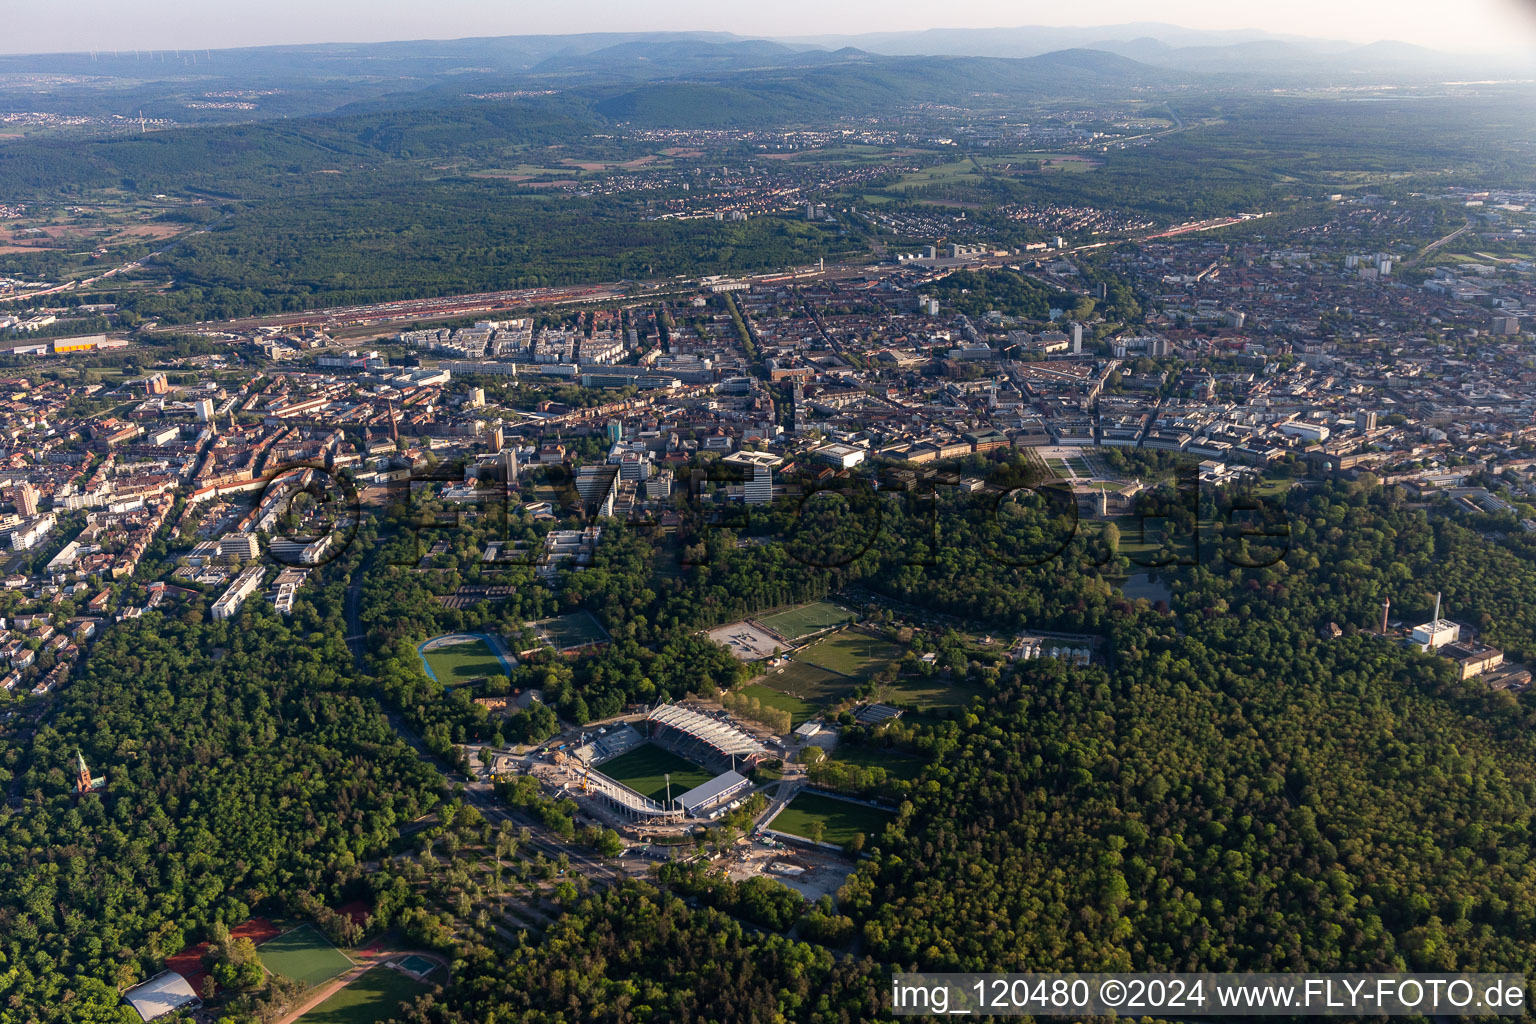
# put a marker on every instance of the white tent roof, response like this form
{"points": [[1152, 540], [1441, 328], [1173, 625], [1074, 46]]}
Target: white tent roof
{"points": [[164, 993]]}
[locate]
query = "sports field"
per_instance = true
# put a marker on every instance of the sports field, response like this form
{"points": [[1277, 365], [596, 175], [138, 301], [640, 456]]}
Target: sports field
{"points": [[802, 689], [928, 693], [568, 632], [850, 652], [371, 999], [794, 623], [800, 710], [840, 819], [643, 770], [460, 662], [303, 954], [896, 763]]}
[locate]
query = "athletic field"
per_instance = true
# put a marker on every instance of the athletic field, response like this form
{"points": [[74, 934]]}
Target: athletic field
{"points": [[929, 693], [849, 652], [800, 710], [644, 768], [840, 819], [801, 689], [794, 623], [371, 999], [896, 763], [569, 632], [303, 954], [471, 658]]}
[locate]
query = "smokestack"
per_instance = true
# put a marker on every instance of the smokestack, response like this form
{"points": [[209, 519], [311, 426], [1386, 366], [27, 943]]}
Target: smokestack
{"points": [[1437, 606], [1385, 607]]}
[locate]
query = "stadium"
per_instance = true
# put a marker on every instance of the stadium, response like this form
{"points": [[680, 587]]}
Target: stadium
{"points": [[685, 768]]}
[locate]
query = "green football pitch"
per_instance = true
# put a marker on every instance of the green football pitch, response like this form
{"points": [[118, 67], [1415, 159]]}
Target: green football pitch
{"points": [[801, 689], [840, 819], [644, 769], [794, 623], [304, 955], [849, 652], [371, 999], [461, 662]]}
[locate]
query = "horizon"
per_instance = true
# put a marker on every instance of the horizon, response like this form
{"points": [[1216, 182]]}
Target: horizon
{"points": [[1486, 27]]}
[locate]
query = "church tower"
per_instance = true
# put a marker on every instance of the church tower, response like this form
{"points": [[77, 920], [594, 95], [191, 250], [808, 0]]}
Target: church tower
{"points": [[82, 774]]}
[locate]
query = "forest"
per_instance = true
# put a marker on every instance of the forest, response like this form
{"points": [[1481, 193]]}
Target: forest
{"points": [[638, 953], [1229, 790], [243, 771], [428, 239]]}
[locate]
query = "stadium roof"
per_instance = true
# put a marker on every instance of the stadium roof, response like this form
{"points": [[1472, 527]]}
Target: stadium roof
{"points": [[722, 736], [711, 791], [163, 994]]}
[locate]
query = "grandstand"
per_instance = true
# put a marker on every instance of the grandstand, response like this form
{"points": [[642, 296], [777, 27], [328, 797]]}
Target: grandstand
{"points": [[625, 799], [605, 748], [874, 714], [593, 782], [715, 735]]}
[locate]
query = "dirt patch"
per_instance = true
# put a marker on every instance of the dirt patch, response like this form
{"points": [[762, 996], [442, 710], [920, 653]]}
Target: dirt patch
{"points": [[189, 962]]}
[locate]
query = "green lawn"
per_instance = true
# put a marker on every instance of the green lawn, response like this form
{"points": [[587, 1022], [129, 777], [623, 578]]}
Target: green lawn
{"points": [[802, 689], [1140, 540], [371, 999], [794, 623], [800, 710], [643, 770], [840, 819], [928, 692], [1274, 488], [460, 663], [896, 763], [303, 954], [851, 652], [937, 174]]}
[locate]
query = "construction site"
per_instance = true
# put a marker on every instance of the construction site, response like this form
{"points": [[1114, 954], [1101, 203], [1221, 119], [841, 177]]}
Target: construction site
{"points": [[676, 766]]}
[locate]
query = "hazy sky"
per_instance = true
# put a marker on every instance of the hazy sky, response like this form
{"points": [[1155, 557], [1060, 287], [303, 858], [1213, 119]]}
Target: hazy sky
{"points": [[28, 26]]}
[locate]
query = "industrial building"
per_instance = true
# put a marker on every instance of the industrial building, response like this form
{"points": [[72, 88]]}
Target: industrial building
{"points": [[1437, 632]]}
